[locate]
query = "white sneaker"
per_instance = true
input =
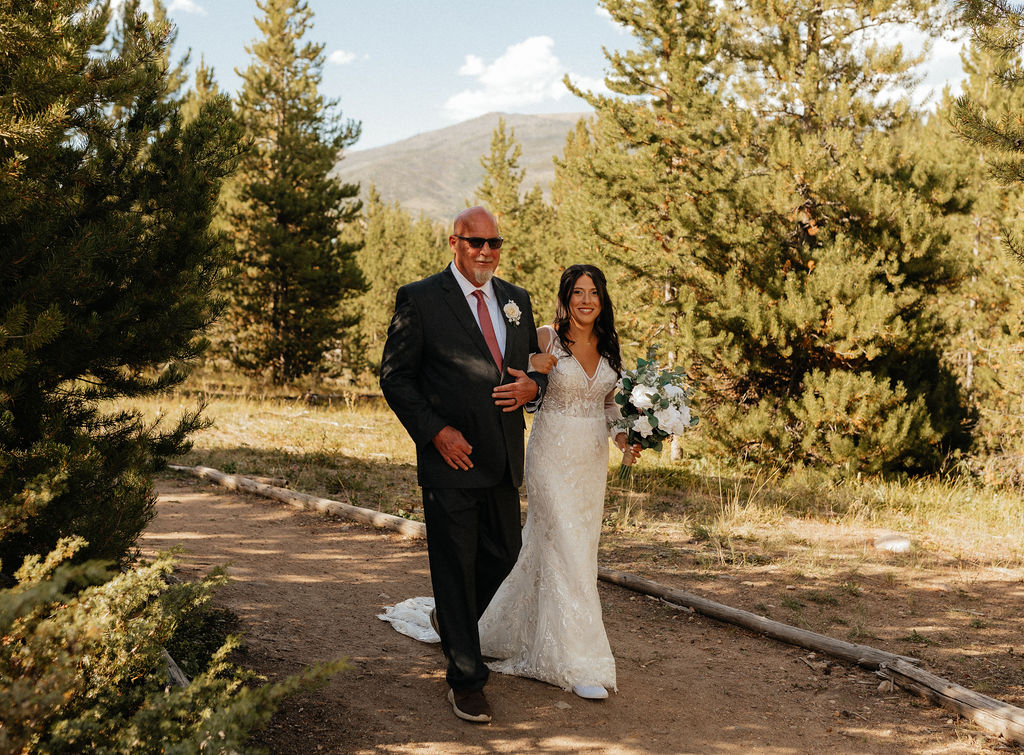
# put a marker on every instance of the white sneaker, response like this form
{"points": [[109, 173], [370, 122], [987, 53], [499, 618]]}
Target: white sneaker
{"points": [[590, 691]]}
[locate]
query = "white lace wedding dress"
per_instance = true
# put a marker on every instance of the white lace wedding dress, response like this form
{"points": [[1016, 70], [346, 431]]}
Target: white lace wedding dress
{"points": [[545, 620]]}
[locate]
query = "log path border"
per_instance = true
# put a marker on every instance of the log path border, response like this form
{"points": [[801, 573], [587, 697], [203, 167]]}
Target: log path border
{"points": [[990, 714]]}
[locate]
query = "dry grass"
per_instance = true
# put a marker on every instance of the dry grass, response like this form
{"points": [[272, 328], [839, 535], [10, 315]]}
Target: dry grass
{"points": [[349, 450], [355, 449]]}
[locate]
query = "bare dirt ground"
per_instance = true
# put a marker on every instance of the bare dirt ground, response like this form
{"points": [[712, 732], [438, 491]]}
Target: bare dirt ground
{"points": [[308, 588]]}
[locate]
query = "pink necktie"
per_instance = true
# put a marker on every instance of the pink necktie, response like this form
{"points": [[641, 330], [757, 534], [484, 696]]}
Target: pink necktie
{"points": [[487, 327]]}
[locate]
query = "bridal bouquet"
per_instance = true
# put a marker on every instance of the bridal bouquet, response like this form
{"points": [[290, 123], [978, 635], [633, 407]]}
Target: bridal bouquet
{"points": [[654, 403]]}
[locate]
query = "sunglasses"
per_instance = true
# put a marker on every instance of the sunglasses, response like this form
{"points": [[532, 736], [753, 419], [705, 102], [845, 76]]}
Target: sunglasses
{"points": [[477, 242]]}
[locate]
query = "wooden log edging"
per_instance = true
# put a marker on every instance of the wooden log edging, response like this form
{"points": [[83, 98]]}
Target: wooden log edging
{"points": [[990, 714], [861, 655], [175, 676], [306, 501], [987, 712]]}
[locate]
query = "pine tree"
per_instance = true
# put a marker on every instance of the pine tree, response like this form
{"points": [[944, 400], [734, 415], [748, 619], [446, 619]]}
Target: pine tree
{"points": [[639, 187], [176, 75], [766, 205], [502, 184], [998, 28], [292, 267], [126, 31], [526, 222], [203, 90], [396, 250], [108, 271], [987, 324]]}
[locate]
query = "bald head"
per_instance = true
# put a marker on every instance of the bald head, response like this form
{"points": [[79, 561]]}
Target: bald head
{"points": [[470, 217]]}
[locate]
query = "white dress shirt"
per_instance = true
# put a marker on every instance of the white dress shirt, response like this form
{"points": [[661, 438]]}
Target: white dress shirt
{"points": [[497, 319]]}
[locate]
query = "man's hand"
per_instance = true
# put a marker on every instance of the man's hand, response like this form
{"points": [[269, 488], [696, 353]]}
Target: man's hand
{"points": [[511, 396], [454, 448]]}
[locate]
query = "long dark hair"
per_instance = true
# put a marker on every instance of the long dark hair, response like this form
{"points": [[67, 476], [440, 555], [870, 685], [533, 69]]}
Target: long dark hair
{"points": [[604, 325]]}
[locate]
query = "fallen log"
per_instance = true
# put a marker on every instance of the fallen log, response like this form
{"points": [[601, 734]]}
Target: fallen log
{"points": [[278, 481], [990, 714], [861, 655], [987, 712], [306, 501], [175, 676]]}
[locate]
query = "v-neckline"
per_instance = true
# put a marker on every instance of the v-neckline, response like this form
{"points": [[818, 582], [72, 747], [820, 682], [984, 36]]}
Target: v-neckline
{"points": [[590, 378]]}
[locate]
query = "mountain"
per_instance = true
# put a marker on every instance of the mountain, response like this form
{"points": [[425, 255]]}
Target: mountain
{"points": [[438, 171]]}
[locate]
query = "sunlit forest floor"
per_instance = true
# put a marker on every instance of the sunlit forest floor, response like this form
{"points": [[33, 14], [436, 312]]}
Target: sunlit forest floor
{"points": [[799, 548]]}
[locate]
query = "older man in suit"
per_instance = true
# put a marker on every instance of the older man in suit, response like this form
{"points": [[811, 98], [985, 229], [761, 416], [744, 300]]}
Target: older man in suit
{"points": [[455, 372]]}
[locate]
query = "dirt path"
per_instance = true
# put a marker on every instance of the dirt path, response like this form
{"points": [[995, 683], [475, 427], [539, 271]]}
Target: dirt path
{"points": [[307, 589]]}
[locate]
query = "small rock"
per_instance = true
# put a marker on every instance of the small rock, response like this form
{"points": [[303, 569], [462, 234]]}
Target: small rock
{"points": [[893, 543], [562, 705], [885, 686]]}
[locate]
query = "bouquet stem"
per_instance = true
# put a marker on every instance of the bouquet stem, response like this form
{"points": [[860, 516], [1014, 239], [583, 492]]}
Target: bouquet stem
{"points": [[626, 467]]}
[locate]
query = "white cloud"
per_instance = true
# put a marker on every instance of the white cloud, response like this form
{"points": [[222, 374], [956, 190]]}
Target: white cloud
{"points": [[474, 66], [186, 6], [527, 73], [341, 57]]}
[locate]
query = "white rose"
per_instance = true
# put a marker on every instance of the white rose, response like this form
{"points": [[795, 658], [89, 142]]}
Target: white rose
{"points": [[672, 420], [642, 396], [668, 420], [674, 393], [642, 426], [512, 312]]}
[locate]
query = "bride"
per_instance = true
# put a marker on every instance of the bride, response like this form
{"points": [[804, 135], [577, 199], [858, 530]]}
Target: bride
{"points": [[545, 620]]}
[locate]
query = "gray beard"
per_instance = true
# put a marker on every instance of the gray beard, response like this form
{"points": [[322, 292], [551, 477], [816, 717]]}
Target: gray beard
{"points": [[483, 277]]}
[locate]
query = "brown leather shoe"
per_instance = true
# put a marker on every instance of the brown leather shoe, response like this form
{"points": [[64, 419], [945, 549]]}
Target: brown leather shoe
{"points": [[470, 706]]}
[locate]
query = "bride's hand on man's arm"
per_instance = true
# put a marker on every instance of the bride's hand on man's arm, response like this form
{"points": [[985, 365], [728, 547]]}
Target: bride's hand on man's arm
{"points": [[629, 453], [543, 363]]}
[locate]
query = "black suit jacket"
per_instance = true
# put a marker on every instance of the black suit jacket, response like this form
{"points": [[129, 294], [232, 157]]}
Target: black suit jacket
{"points": [[436, 370]]}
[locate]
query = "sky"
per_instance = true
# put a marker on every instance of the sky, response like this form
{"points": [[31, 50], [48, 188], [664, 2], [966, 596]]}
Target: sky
{"points": [[403, 67]]}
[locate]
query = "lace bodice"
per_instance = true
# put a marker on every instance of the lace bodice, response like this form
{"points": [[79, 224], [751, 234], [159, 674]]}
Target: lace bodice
{"points": [[571, 391]]}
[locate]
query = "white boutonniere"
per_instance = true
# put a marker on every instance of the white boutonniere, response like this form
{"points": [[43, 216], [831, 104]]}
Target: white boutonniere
{"points": [[512, 312]]}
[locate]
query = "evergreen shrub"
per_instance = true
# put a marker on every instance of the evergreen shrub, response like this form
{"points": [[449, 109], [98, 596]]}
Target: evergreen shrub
{"points": [[82, 669]]}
